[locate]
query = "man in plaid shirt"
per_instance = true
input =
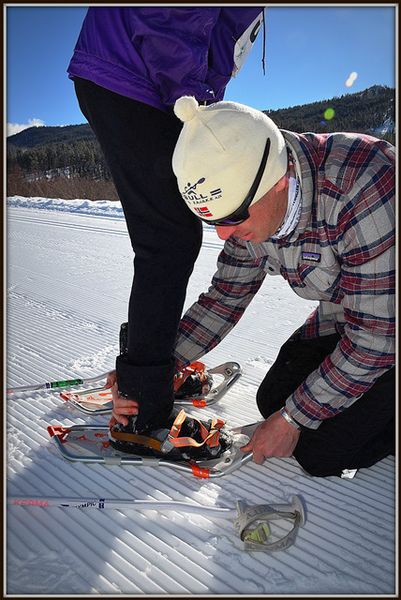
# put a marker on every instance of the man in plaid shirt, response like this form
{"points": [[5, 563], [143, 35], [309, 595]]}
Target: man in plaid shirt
{"points": [[319, 210]]}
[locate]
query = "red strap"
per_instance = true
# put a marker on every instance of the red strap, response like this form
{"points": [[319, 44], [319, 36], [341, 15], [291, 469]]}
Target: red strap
{"points": [[200, 472], [58, 430]]}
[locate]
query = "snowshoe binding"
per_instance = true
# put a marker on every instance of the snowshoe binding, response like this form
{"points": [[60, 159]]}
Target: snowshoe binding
{"points": [[194, 385], [183, 438], [91, 444], [192, 382]]}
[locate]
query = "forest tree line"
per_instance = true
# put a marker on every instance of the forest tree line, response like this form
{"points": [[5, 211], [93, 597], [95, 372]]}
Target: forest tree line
{"points": [[67, 162]]}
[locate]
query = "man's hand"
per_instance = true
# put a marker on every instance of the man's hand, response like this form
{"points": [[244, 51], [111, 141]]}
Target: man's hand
{"points": [[274, 437], [122, 407]]}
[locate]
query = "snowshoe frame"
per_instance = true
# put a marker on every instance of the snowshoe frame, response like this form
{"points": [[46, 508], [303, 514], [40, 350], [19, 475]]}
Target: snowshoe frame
{"points": [[98, 400], [79, 443]]}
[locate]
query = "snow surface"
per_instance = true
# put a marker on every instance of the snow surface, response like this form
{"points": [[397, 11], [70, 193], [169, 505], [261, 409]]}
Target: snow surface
{"points": [[69, 276]]}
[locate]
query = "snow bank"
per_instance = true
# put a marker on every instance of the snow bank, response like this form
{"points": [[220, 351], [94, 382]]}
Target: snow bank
{"points": [[102, 208]]}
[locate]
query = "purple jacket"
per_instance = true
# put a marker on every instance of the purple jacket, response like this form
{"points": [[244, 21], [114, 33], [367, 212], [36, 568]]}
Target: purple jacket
{"points": [[155, 55]]}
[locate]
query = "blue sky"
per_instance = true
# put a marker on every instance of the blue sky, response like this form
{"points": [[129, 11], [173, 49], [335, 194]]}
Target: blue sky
{"points": [[310, 53]]}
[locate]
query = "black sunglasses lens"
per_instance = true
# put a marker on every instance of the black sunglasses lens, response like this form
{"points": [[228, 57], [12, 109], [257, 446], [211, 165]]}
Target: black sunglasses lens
{"points": [[234, 221]]}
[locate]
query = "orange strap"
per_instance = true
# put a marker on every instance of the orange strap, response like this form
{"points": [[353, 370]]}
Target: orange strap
{"points": [[176, 426], [210, 437], [182, 376]]}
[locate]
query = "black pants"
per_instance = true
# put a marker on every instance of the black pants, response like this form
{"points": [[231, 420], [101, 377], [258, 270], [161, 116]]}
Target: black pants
{"points": [[138, 143], [358, 437]]}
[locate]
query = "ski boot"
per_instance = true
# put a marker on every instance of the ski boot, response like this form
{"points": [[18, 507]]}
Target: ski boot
{"points": [[182, 439]]}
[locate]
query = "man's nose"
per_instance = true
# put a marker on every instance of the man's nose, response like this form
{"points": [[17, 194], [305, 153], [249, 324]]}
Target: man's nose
{"points": [[224, 231]]}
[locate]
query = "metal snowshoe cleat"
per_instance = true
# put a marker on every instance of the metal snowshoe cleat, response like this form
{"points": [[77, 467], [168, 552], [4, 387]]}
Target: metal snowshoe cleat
{"points": [[183, 438], [193, 386]]}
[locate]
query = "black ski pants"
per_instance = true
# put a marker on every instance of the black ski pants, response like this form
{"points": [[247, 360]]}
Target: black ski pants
{"points": [[358, 437], [138, 141]]}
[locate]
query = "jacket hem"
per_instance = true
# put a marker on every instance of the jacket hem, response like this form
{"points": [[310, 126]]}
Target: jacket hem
{"points": [[114, 78]]}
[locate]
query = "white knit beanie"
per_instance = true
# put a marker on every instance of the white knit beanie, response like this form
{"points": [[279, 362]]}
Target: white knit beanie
{"points": [[218, 154]]}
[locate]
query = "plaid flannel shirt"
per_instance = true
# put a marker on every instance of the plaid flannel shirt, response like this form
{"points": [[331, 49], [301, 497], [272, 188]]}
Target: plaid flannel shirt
{"points": [[341, 254]]}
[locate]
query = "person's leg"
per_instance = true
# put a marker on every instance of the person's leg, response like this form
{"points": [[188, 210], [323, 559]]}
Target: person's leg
{"points": [[359, 437], [138, 142], [295, 361]]}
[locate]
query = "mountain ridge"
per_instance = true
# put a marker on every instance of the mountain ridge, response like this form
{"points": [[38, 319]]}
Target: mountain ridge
{"points": [[33, 136], [66, 161]]}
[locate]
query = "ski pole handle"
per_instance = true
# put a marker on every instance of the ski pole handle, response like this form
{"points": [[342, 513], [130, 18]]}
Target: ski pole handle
{"points": [[46, 386], [62, 384]]}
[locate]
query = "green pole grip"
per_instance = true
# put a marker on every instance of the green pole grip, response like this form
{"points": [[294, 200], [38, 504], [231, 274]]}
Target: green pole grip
{"points": [[67, 383]]}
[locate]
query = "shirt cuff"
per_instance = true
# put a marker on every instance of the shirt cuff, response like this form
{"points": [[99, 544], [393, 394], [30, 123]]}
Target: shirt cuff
{"points": [[299, 416]]}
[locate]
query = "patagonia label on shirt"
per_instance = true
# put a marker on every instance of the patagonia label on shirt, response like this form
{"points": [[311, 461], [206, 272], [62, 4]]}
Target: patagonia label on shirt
{"points": [[313, 256]]}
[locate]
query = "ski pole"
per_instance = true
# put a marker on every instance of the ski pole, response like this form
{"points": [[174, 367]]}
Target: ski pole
{"points": [[104, 503], [251, 522], [66, 383]]}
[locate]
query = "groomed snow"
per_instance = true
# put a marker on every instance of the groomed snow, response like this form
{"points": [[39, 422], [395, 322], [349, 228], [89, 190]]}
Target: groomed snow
{"points": [[68, 279]]}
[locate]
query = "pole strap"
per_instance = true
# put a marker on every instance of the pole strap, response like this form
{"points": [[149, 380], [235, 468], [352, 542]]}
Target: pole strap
{"points": [[252, 525]]}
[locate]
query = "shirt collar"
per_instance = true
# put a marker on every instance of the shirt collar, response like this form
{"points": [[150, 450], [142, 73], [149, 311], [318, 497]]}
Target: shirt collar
{"points": [[307, 181]]}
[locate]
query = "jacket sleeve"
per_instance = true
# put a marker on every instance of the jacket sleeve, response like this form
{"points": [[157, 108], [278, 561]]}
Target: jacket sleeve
{"points": [[207, 322], [367, 347], [174, 45]]}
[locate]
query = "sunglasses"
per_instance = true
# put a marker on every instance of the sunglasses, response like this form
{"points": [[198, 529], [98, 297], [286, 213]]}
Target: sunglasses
{"points": [[241, 214]]}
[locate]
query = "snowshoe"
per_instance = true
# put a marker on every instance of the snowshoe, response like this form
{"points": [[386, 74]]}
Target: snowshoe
{"points": [[195, 385], [183, 438], [91, 444]]}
